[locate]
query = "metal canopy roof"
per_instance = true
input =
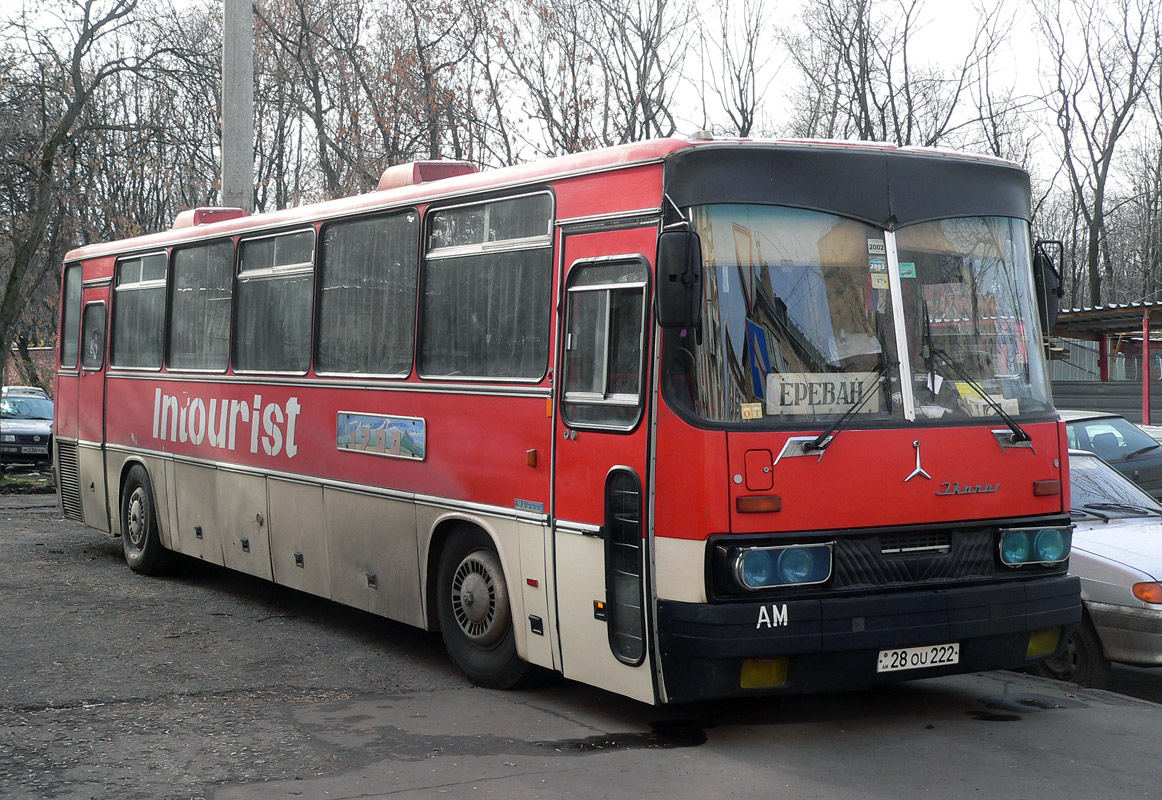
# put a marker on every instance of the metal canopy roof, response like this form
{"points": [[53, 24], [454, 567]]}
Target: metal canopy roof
{"points": [[1114, 318]]}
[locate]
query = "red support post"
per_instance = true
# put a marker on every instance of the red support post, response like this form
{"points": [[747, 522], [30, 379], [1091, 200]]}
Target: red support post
{"points": [[1103, 357], [1146, 368]]}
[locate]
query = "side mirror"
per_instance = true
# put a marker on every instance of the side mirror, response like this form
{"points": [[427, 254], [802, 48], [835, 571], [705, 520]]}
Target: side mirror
{"points": [[678, 299], [1047, 282]]}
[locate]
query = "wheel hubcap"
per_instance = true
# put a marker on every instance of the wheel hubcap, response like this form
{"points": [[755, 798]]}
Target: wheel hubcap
{"points": [[135, 522], [480, 599]]}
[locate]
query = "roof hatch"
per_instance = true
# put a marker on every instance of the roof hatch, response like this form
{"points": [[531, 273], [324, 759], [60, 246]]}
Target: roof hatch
{"points": [[422, 172]]}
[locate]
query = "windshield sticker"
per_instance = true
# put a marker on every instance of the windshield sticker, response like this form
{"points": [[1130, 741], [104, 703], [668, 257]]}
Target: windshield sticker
{"points": [[394, 437], [875, 247], [879, 280], [976, 405], [877, 265], [821, 392], [751, 410], [907, 269]]}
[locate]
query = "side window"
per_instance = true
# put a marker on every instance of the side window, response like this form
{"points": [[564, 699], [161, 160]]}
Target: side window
{"points": [[93, 336], [367, 295], [70, 315], [486, 290], [199, 324], [276, 284], [139, 311], [605, 332]]}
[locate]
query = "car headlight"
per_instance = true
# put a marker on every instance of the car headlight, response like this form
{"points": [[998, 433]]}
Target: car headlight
{"points": [[790, 565], [1045, 546], [8, 437]]}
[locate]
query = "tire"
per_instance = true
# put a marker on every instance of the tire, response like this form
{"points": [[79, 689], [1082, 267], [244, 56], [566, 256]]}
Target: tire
{"points": [[1081, 662], [474, 612], [140, 539]]}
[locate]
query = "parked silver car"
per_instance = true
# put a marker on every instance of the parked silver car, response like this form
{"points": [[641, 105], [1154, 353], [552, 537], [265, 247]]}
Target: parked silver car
{"points": [[1117, 552], [25, 429]]}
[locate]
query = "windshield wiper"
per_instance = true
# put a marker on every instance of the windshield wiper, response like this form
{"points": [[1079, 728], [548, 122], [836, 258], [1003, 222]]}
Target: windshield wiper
{"points": [[1089, 512], [822, 440], [1145, 449], [1131, 507], [930, 351]]}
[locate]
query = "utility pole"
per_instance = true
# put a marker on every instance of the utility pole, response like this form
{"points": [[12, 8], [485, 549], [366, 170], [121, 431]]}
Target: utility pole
{"points": [[238, 104]]}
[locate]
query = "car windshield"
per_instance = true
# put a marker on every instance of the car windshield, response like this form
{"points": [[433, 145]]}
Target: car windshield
{"points": [[806, 315], [25, 408], [1112, 438], [1098, 490]]}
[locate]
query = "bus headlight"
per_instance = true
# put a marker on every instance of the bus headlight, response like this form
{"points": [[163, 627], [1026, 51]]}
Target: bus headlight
{"points": [[1044, 546], [792, 565], [1050, 546]]}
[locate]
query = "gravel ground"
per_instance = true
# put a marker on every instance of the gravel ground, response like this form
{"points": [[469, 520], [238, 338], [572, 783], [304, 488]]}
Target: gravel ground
{"points": [[116, 685]]}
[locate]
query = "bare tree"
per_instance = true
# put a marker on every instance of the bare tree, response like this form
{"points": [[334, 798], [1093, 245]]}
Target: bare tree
{"points": [[861, 80], [743, 56], [58, 57], [553, 49], [1102, 53], [642, 61]]}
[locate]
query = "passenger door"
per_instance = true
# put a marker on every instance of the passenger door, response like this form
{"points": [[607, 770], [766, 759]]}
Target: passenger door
{"points": [[600, 526], [91, 406]]}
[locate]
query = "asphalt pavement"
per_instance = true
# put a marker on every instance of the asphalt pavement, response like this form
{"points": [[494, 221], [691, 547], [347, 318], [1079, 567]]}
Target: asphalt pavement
{"points": [[217, 685]]}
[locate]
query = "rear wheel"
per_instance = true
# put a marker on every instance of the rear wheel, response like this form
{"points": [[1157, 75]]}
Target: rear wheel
{"points": [[1081, 662], [474, 612], [140, 539]]}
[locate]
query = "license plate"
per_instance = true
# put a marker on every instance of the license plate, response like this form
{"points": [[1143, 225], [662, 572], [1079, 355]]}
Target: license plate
{"points": [[41, 450], [933, 655]]}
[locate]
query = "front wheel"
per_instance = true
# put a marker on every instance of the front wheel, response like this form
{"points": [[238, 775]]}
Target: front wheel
{"points": [[1081, 662], [474, 612], [140, 539]]}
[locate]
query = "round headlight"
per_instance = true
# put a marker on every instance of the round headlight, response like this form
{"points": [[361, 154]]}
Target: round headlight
{"points": [[1015, 547], [1049, 545], [758, 568], [795, 565]]}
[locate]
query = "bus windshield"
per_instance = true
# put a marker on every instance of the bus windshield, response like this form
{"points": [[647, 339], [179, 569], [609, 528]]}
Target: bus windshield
{"points": [[807, 316]]}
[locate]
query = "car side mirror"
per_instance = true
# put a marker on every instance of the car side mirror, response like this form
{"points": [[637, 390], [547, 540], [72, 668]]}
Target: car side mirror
{"points": [[678, 298]]}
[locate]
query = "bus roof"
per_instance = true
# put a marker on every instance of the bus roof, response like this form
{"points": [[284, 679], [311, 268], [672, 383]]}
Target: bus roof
{"points": [[491, 179]]}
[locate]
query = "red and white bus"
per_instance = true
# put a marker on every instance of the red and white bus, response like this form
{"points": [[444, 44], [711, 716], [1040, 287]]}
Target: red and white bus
{"points": [[676, 419]]}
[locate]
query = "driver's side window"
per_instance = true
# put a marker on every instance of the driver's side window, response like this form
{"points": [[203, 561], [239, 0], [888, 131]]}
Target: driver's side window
{"points": [[604, 342]]}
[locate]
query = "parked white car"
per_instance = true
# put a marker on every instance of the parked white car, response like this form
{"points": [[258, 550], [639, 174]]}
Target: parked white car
{"points": [[1117, 552]]}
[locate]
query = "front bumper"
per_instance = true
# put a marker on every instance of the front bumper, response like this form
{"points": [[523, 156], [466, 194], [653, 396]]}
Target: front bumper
{"points": [[25, 453], [1129, 635], [834, 643]]}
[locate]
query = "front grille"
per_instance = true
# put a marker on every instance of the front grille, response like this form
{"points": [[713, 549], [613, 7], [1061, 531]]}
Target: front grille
{"points": [[33, 438], [930, 557], [916, 544], [69, 479]]}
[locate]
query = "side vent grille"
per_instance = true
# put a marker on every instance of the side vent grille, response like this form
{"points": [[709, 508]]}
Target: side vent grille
{"points": [[623, 566], [69, 478]]}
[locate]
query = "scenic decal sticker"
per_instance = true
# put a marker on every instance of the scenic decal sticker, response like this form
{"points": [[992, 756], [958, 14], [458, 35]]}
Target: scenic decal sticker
{"points": [[395, 437]]}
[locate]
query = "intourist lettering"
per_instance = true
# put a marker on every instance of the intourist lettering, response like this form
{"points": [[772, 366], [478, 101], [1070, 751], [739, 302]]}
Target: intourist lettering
{"points": [[223, 422]]}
